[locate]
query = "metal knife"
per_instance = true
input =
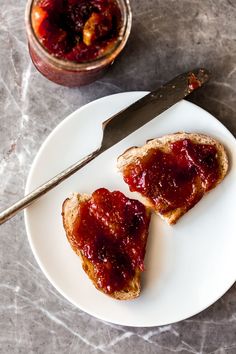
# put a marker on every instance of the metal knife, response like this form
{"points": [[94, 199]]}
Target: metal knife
{"points": [[121, 125]]}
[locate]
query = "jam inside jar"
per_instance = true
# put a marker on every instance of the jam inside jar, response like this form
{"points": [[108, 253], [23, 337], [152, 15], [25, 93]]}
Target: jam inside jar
{"points": [[73, 42]]}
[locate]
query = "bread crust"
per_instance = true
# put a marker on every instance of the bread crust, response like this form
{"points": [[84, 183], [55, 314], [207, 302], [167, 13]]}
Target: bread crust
{"points": [[70, 212], [163, 143]]}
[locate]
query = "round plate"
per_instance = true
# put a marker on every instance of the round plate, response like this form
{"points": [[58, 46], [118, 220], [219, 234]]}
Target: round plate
{"points": [[188, 266]]}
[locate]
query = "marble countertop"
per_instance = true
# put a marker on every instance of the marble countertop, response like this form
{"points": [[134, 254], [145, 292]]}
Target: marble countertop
{"points": [[168, 37]]}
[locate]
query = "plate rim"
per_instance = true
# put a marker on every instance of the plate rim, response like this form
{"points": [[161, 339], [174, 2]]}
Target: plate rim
{"points": [[26, 215]]}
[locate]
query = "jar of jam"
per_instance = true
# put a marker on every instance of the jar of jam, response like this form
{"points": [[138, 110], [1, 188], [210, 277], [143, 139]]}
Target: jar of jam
{"points": [[73, 42]]}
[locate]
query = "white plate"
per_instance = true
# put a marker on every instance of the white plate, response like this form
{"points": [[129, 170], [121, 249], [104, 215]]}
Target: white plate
{"points": [[188, 266]]}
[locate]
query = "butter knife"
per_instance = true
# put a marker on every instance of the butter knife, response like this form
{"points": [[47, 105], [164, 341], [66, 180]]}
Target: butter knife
{"points": [[121, 125]]}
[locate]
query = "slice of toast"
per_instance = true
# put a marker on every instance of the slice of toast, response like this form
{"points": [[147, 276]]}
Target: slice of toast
{"points": [[73, 214], [131, 159]]}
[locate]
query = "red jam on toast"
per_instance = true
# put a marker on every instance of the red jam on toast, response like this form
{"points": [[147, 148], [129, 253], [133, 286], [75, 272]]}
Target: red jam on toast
{"points": [[111, 231], [177, 178]]}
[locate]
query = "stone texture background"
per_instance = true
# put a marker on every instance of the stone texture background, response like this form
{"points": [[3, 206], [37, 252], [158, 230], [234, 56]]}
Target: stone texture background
{"points": [[168, 37]]}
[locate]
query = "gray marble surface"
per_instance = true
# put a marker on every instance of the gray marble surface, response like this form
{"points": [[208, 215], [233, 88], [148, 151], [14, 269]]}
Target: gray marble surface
{"points": [[168, 37]]}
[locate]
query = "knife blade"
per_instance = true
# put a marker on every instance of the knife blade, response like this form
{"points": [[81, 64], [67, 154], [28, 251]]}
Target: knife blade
{"points": [[120, 126], [142, 111]]}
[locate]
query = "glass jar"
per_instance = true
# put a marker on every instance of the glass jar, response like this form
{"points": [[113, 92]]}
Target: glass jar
{"points": [[70, 73]]}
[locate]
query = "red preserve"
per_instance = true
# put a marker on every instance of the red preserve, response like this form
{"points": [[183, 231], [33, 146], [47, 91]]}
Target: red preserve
{"points": [[111, 231], [72, 42], [175, 179]]}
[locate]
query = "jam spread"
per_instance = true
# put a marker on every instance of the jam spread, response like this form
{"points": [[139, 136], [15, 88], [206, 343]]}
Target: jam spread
{"points": [[76, 30], [111, 232], [193, 82], [175, 179]]}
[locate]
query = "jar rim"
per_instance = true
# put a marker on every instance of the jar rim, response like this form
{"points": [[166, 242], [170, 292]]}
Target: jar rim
{"points": [[99, 62]]}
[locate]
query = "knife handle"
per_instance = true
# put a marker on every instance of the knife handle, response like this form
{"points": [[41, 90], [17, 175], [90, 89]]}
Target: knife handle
{"points": [[44, 188]]}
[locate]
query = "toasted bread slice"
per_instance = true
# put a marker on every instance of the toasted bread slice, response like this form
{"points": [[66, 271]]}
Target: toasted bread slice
{"points": [[71, 213], [134, 155]]}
